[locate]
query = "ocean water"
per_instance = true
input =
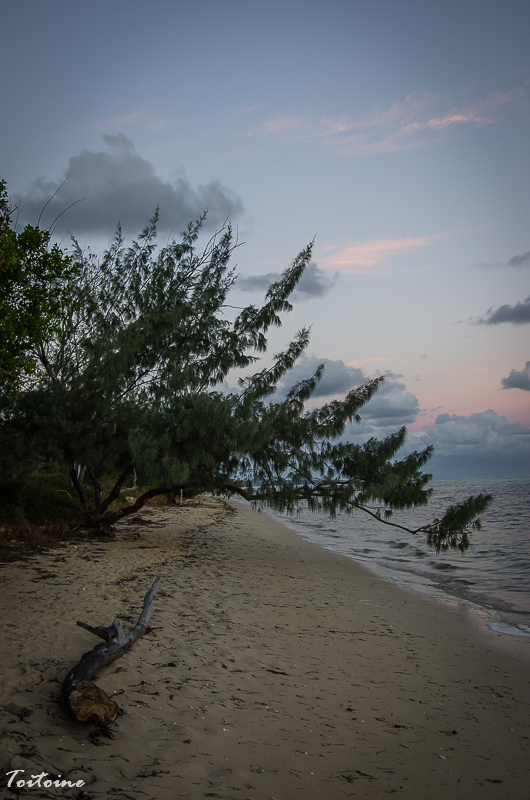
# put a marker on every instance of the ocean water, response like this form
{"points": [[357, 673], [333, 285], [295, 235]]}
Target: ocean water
{"points": [[492, 576]]}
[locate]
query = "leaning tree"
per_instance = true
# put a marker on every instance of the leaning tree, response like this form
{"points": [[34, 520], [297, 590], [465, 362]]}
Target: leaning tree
{"points": [[131, 382]]}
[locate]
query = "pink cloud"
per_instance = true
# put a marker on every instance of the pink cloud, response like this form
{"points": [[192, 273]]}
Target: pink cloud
{"points": [[458, 119], [405, 124], [361, 257]]}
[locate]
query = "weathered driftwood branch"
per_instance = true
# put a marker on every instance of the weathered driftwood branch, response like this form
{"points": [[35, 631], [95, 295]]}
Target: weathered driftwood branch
{"points": [[82, 699]]}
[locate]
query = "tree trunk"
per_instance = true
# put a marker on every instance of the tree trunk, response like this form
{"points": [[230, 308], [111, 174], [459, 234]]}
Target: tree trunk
{"points": [[78, 486], [98, 491], [82, 699], [81, 472], [101, 519]]}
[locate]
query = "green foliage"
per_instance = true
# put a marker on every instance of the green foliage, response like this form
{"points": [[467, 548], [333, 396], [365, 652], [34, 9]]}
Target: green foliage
{"points": [[452, 531], [40, 496], [45, 495], [130, 380], [33, 277], [40, 510]]}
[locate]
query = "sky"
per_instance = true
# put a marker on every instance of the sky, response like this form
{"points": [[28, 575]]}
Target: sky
{"points": [[396, 135]]}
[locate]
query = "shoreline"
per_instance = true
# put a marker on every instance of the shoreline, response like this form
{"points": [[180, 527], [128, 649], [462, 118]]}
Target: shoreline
{"points": [[478, 617], [489, 617], [414, 571], [275, 669]]}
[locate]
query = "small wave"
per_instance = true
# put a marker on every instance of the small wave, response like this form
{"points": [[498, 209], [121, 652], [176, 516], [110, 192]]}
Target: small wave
{"points": [[496, 567], [522, 631]]}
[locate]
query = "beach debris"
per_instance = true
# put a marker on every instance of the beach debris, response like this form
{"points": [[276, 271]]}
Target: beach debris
{"points": [[354, 775], [83, 700]]}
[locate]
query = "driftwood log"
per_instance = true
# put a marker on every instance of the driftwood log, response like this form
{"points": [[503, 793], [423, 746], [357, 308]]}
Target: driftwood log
{"points": [[82, 699]]}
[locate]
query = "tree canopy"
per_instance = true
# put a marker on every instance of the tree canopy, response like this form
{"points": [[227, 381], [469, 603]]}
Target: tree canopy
{"points": [[130, 381], [33, 277]]}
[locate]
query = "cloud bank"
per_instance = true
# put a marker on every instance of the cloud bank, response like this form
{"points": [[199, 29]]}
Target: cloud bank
{"points": [[391, 407], [118, 185], [481, 444], [518, 380], [484, 443], [519, 314]]}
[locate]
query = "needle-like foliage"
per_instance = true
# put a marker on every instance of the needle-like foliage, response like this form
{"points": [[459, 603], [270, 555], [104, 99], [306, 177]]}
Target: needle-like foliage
{"points": [[129, 383]]}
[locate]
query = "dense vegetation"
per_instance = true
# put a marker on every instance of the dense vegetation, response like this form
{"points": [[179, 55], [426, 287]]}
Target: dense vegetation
{"points": [[33, 279], [120, 368]]}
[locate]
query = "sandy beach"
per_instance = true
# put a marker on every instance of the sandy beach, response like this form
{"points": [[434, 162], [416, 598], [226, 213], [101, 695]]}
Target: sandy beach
{"points": [[274, 670]]}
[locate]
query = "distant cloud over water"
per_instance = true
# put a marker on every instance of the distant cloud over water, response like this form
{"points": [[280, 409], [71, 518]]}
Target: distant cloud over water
{"points": [[484, 443]]}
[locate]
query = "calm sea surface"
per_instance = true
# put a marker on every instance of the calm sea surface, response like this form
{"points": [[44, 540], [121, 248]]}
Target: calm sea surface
{"points": [[493, 575]]}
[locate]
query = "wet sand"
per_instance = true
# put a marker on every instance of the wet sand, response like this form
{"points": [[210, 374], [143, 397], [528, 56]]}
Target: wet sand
{"points": [[274, 670]]}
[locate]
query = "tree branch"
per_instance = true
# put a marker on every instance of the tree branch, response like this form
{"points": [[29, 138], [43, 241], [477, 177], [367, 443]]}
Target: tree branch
{"points": [[82, 699], [115, 493]]}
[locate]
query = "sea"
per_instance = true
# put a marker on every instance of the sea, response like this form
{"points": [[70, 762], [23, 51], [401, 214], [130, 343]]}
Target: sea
{"points": [[492, 577]]}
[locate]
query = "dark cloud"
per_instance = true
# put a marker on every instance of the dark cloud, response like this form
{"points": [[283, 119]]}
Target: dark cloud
{"points": [[484, 443], [313, 283], [479, 445], [338, 377], [484, 429], [389, 409], [518, 380], [391, 406], [519, 314], [519, 261], [121, 186]]}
